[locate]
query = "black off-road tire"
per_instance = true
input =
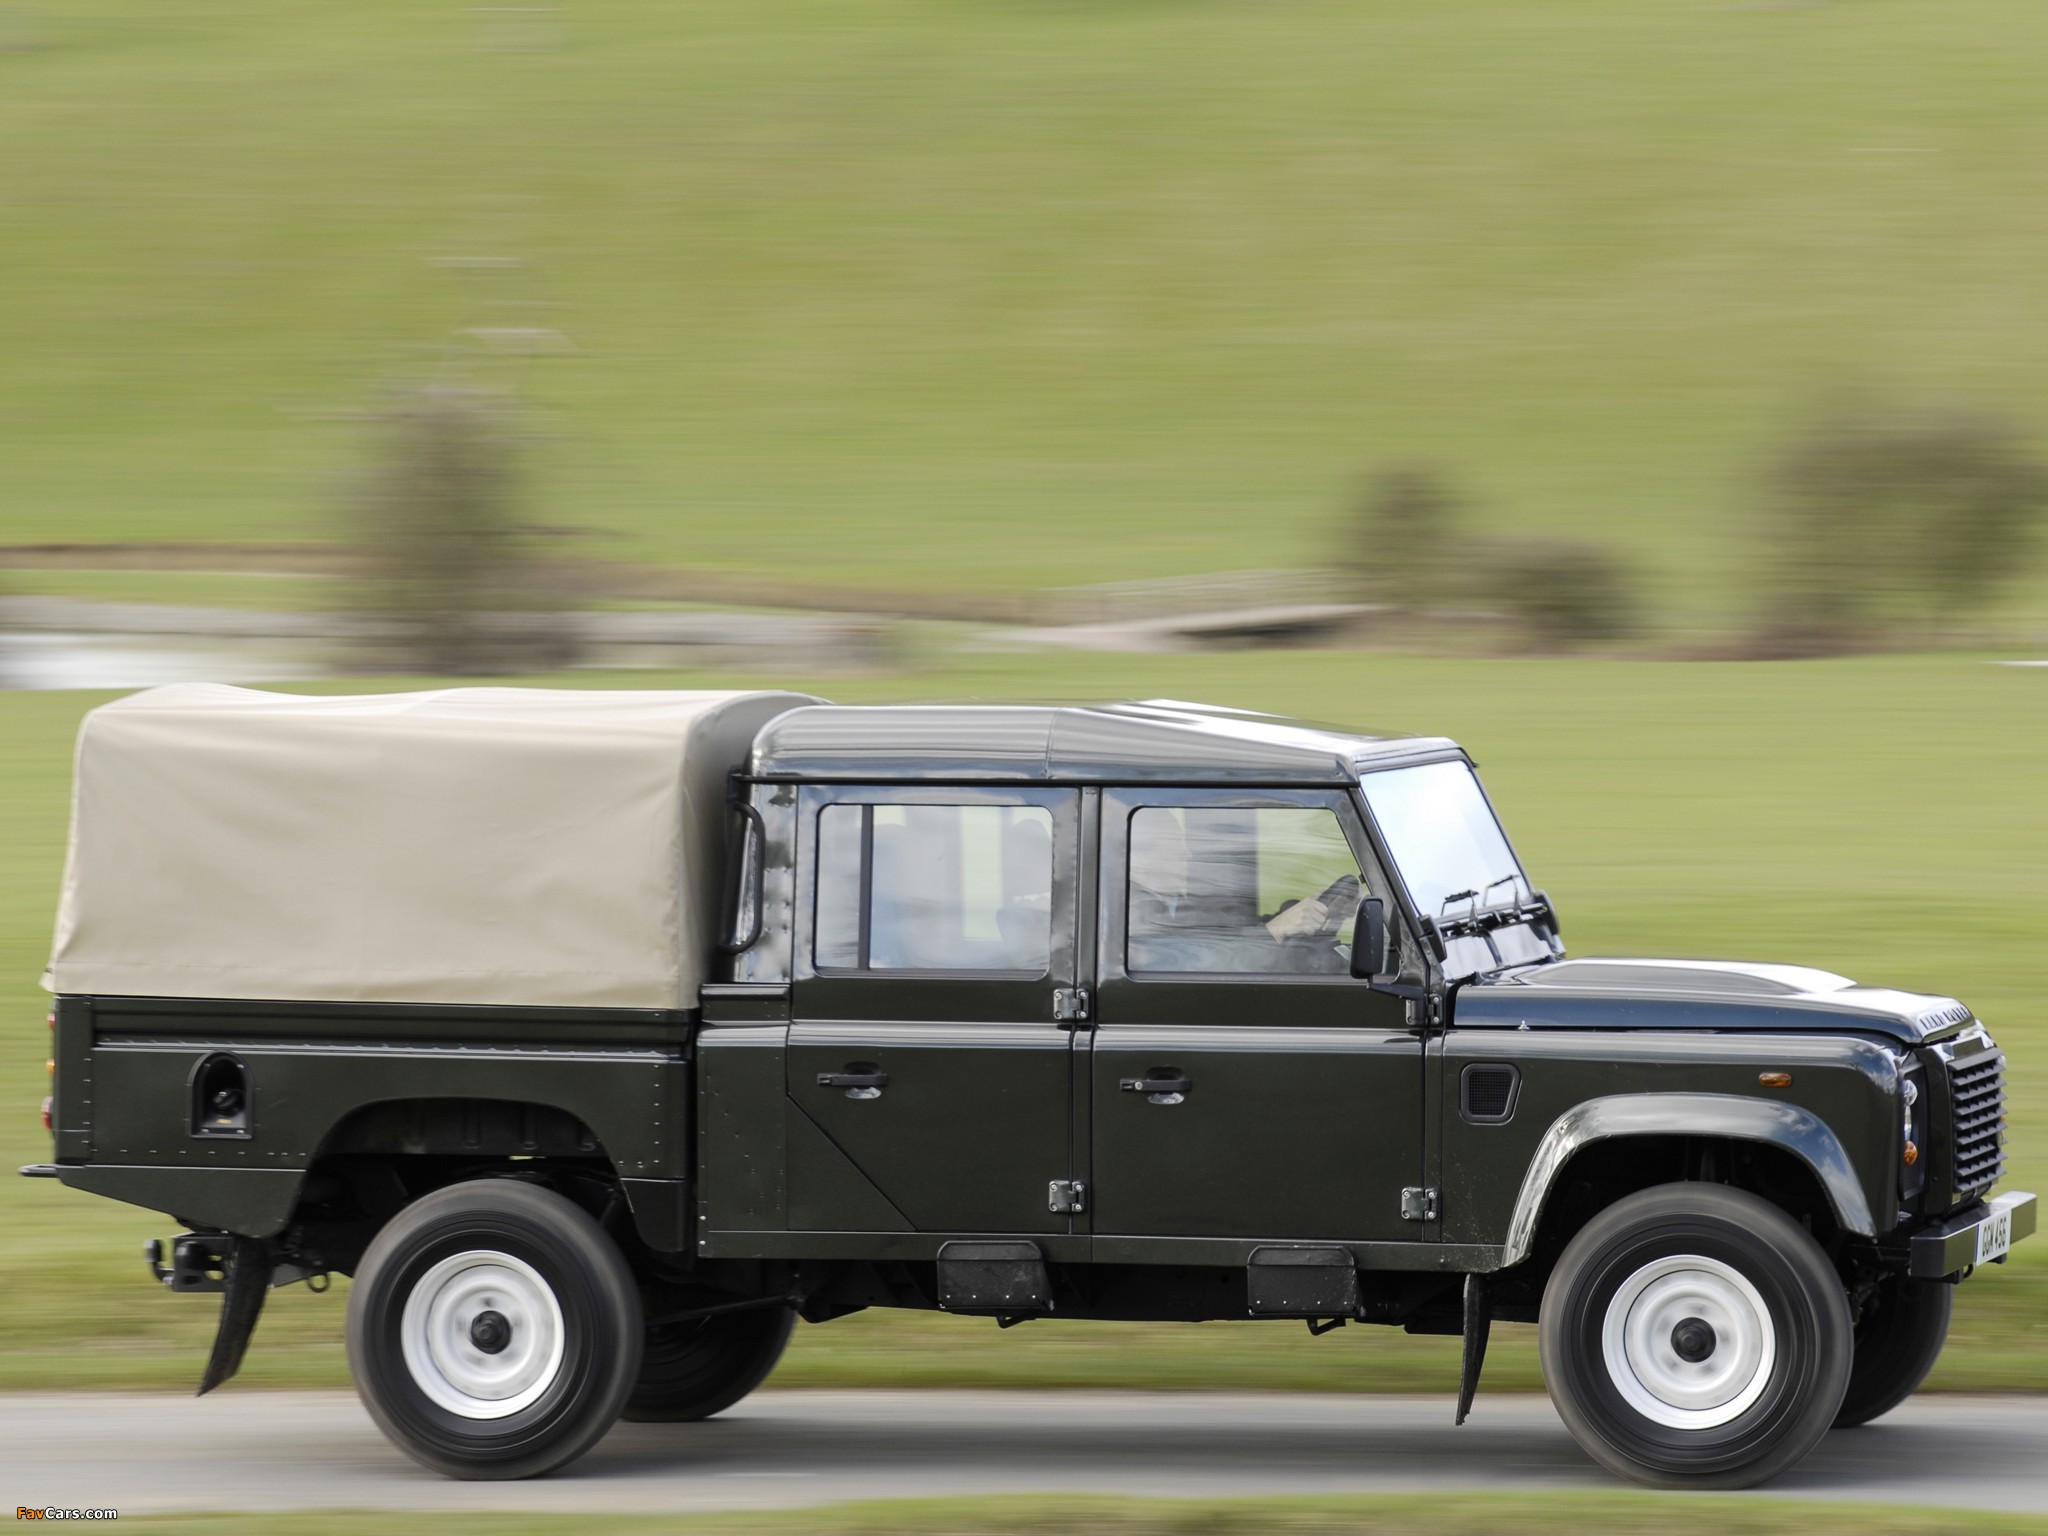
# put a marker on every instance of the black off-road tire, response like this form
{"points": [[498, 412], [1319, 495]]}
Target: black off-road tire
{"points": [[1898, 1339], [1655, 1398], [494, 1330], [694, 1369]]}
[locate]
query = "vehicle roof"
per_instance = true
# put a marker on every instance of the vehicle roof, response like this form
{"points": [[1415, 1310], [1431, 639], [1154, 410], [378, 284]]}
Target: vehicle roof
{"points": [[1154, 741]]}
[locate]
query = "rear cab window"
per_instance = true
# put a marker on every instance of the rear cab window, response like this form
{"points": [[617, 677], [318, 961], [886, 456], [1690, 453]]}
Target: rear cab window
{"points": [[916, 887]]}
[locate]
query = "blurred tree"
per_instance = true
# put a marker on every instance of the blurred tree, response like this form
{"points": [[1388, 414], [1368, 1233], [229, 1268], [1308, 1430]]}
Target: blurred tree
{"points": [[450, 580], [1883, 517], [1401, 543], [1561, 592], [1408, 550]]}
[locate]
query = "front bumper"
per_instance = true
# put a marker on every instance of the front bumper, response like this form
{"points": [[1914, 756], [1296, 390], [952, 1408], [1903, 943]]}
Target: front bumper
{"points": [[1971, 1236]]}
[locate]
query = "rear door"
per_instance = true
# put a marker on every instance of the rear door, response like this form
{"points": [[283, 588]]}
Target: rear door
{"points": [[929, 1081], [1244, 1085]]}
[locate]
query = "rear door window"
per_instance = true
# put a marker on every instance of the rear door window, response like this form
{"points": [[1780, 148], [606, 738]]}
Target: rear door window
{"points": [[935, 888]]}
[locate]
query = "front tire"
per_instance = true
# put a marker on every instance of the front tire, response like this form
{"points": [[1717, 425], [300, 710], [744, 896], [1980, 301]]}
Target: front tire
{"points": [[493, 1330], [1693, 1336], [696, 1368], [1898, 1339]]}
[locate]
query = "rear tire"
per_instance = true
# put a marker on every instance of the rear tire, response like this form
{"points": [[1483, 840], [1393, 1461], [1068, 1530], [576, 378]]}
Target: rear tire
{"points": [[694, 1369], [493, 1330], [1693, 1336], [1898, 1339]]}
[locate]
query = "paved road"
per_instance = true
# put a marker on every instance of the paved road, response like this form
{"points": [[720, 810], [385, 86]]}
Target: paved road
{"points": [[293, 1450]]}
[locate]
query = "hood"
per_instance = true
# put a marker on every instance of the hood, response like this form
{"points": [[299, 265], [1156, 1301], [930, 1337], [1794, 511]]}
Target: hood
{"points": [[1700, 994]]}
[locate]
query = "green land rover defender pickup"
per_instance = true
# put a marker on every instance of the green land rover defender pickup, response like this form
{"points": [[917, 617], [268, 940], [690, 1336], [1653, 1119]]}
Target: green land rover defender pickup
{"points": [[601, 1036]]}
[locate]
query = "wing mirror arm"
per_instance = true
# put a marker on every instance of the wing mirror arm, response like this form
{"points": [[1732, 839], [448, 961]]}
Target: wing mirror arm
{"points": [[1369, 949]]}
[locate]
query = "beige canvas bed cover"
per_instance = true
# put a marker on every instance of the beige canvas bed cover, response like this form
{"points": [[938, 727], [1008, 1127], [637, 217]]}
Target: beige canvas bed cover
{"points": [[471, 845]]}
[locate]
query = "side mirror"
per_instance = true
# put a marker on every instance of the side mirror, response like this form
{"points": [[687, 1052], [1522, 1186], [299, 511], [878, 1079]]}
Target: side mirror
{"points": [[1369, 940]]}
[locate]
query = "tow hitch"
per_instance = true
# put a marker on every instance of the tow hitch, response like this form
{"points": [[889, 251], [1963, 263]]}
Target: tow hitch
{"points": [[243, 1270], [199, 1261]]}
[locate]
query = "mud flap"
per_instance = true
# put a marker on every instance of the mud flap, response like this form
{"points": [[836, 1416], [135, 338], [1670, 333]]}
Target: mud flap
{"points": [[249, 1270], [1478, 1324]]}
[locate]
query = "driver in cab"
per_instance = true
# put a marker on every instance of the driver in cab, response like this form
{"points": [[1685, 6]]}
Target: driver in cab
{"points": [[1198, 910]]}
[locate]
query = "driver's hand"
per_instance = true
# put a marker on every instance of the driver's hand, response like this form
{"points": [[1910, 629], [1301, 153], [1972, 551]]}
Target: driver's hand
{"points": [[1302, 919]]}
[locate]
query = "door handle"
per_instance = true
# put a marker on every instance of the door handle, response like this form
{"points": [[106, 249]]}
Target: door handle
{"points": [[853, 1079], [1157, 1085]]}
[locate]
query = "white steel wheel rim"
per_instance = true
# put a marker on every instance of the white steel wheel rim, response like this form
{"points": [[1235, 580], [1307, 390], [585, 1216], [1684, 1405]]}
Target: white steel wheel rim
{"points": [[1640, 1336], [445, 1316]]}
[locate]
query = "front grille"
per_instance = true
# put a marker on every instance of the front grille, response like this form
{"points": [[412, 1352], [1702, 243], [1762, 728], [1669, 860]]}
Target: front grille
{"points": [[1977, 1093]]}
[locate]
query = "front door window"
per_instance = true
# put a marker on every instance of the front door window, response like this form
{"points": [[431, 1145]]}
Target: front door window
{"points": [[1240, 890]]}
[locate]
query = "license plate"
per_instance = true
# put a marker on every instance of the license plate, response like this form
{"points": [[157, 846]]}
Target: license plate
{"points": [[1994, 1236]]}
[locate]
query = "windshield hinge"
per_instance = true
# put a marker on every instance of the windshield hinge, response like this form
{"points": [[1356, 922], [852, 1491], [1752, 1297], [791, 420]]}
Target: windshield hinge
{"points": [[1426, 1011]]}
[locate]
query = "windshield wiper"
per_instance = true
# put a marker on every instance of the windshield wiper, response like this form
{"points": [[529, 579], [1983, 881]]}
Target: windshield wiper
{"points": [[1503, 880], [1479, 919]]}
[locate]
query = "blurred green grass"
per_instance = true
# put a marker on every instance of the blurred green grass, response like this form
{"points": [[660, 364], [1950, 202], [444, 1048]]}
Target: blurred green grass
{"points": [[1377, 1515], [1881, 817], [940, 295]]}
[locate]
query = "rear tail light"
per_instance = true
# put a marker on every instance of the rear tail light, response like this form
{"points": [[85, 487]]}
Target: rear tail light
{"points": [[50, 1067]]}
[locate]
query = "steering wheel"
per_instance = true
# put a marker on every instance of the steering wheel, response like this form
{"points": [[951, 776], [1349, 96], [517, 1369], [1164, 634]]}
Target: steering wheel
{"points": [[1340, 903], [1340, 900]]}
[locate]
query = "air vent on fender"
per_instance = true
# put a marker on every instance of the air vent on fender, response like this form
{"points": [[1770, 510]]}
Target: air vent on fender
{"points": [[1487, 1093]]}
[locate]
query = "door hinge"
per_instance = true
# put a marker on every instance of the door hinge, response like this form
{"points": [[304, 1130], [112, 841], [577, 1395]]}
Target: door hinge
{"points": [[1069, 1005], [1066, 1197], [1418, 1204]]}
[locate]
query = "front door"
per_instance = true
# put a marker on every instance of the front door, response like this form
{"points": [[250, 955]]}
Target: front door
{"points": [[1244, 1084], [929, 1082]]}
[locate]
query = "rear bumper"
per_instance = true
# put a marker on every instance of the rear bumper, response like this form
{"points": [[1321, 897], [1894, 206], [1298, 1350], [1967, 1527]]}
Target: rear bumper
{"points": [[1957, 1242], [255, 1202]]}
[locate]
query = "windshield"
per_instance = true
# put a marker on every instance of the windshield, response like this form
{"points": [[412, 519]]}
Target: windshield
{"points": [[1455, 861]]}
